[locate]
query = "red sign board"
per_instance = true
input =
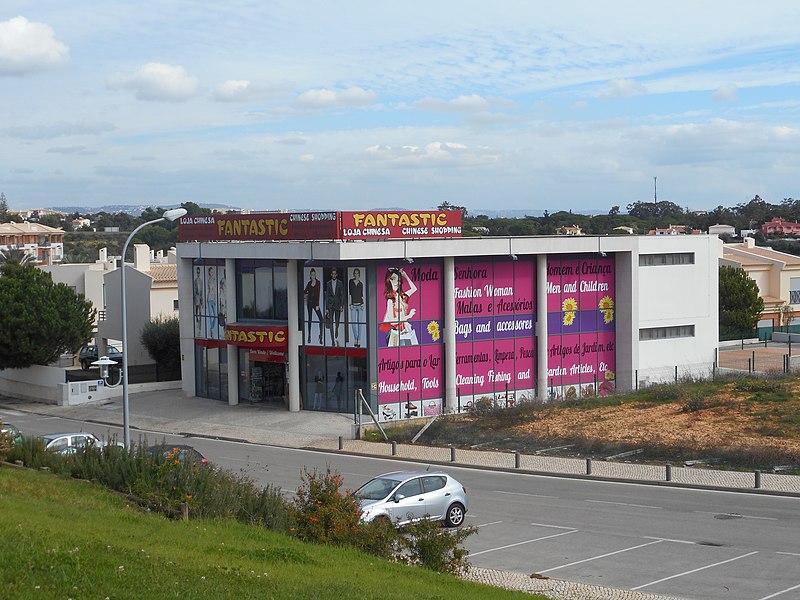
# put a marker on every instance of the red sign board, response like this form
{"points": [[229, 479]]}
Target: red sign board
{"points": [[377, 224], [258, 337], [259, 227], [343, 225]]}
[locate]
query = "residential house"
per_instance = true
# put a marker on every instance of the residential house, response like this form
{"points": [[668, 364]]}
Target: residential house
{"points": [[45, 245], [777, 275], [778, 226]]}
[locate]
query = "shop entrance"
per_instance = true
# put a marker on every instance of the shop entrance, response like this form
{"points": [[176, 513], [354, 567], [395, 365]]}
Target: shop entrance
{"points": [[268, 382]]}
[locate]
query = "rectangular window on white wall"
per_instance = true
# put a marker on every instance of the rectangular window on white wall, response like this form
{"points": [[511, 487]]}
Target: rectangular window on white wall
{"points": [[794, 290], [671, 259], [663, 333]]}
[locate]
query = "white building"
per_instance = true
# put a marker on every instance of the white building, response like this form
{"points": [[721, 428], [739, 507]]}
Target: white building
{"points": [[152, 289], [439, 322]]}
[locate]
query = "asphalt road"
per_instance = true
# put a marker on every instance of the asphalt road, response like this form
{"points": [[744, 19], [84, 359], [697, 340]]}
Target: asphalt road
{"points": [[672, 541]]}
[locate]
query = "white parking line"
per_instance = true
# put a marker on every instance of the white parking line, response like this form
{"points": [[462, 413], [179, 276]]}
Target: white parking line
{"points": [[647, 537], [788, 553], [624, 504], [487, 524], [524, 494], [722, 562], [577, 562], [552, 526], [546, 537], [776, 594]]}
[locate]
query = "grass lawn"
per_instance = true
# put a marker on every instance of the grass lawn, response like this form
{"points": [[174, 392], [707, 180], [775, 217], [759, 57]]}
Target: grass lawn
{"points": [[62, 538]]}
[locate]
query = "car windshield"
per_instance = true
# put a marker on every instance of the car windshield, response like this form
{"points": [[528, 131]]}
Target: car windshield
{"points": [[376, 489]]}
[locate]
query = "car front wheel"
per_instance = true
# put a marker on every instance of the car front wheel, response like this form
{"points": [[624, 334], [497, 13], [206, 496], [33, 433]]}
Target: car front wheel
{"points": [[455, 515], [84, 365]]}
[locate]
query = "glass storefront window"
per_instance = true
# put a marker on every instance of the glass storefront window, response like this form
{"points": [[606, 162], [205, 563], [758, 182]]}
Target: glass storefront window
{"points": [[261, 290]]}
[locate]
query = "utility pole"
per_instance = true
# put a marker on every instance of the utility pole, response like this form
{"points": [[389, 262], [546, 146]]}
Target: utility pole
{"points": [[655, 190]]}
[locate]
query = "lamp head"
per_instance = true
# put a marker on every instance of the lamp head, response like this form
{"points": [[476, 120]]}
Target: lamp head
{"points": [[175, 213]]}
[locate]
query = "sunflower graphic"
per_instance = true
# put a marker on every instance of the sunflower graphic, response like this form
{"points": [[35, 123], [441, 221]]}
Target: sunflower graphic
{"points": [[433, 329], [608, 315], [606, 302], [569, 305], [569, 318]]}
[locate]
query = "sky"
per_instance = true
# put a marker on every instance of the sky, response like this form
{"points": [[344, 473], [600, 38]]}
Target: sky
{"points": [[519, 105]]}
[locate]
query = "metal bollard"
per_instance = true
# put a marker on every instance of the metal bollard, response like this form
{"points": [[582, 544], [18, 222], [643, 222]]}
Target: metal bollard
{"points": [[341, 442], [588, 466], [394, 448], [452, 454], [516, 459], [758, 480], [669, 472]]}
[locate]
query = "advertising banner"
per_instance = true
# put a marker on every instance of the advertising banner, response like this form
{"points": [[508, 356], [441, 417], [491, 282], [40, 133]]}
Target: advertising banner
{"points": [[495, 322], [259, 227], [581, 344], [410, 382], [400, 224], [342, 225]]}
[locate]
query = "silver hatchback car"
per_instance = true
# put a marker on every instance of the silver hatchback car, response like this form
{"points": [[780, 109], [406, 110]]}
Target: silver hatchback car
{"points": [[406, 496]]}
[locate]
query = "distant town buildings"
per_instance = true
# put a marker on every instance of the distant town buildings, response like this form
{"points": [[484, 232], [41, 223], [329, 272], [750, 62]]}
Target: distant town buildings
{"points": [[779, 226], [45, 245]]}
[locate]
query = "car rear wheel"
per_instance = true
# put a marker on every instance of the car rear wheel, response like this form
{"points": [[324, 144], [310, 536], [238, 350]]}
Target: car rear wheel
{"points": [[455, 515], [84, 365]]}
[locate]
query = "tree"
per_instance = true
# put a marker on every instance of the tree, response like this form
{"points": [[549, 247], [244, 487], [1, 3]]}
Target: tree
{"points": [[740, 305], [161, 337], [785, 314], [40, 319], [16, 256]]}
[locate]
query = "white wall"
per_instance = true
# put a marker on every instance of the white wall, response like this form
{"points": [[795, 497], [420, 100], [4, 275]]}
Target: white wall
{"points": [[678, 295]]}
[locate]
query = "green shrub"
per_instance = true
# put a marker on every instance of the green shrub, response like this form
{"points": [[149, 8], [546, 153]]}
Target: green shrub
{"points": [[323, 512], [427, 544]]}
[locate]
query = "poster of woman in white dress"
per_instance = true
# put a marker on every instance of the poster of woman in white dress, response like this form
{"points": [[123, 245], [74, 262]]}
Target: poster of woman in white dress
{"points": [[397, 291]]}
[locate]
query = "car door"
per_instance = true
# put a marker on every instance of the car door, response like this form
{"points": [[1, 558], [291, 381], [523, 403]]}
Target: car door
{"points": [[409, 502], [436, 500]]}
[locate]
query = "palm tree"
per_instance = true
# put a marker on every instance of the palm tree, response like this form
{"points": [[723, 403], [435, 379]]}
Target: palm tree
{"points": [[16, 256]]}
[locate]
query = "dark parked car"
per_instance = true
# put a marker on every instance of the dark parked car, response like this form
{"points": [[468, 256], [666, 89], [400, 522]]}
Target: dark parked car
{"points": [[406, 496], [179, 453], [88, 355]]}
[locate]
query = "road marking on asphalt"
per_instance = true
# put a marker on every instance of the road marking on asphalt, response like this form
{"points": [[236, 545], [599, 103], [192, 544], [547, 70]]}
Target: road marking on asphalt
{"points": [[776, 594], [577, 562], [487, 524], [624, 504], [722, 562], [788, 553], [546, 537], [660, 539], [553, 526], [524, 494]]}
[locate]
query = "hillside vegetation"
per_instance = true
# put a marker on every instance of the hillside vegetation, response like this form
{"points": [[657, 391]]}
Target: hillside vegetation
{"points": [[742, 423], [66, 538]]}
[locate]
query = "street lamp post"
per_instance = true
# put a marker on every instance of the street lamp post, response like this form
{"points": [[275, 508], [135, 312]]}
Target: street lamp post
{"points": [[169, 215]]}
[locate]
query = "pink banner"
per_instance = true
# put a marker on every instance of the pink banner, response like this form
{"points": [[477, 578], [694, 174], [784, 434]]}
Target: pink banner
{"points": [[409, 339], [581, 326]]}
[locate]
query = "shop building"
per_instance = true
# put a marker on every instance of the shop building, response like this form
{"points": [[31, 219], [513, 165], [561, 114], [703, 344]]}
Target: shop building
{"points": [[310, 311]]}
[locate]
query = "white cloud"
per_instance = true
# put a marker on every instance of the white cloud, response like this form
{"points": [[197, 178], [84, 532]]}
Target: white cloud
{"points": [[726, 93], [323, 98], [158, 82], [82, 150], [26, 46], [307, 158], [471, 103], [623, 87], [234, 90]]}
